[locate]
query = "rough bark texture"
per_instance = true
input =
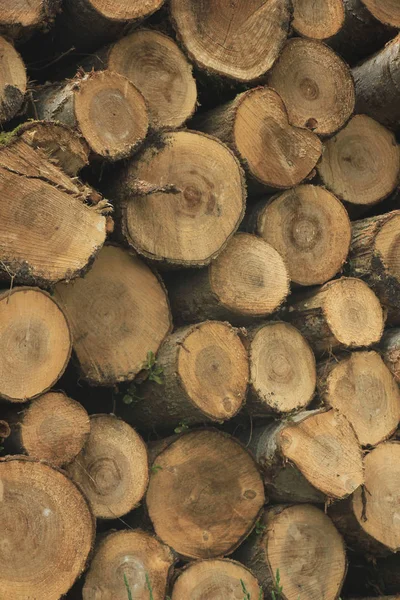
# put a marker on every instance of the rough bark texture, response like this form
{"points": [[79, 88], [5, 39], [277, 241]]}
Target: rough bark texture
{"points": [[390, 348]]}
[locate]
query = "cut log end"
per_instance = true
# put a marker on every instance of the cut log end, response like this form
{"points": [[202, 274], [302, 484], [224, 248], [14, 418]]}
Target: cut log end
{"points": [[386, 11], [361, 164], [310, 229], [222, 45], [208, 579], [158, 68], [134, 555], [36, 340], [214, 480], [125, 10], [49, 524], [318, 20], [54, 428], [315, 85], [19, 20], [112, 468], [111, 114], [13, 81]]}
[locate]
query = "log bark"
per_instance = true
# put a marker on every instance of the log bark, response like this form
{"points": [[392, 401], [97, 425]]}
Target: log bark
{"points": [[315, 84], [363, 389], [318, 20], [282, 370], [49, 231], [321, 444], [374, 255], [377, 84], [248, 280], [220, 578], [133, 555], [310, 229], [216, 39], [343, 313], [198, 208], [256, 126], [42, 510], [303, 546], [37, 342], [390, 349], [154, 63], [13, 81], [19, 20], [107, 109], [205, 371], [384, 575], [215, 486], [361, 164], [369, 519], [118, 312], [112, 469]]}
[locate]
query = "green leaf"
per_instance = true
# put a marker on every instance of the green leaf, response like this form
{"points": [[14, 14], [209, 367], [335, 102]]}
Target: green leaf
{"points": [[127, 399], [128, 589], [156, 378], [156, 468], [151, 597], [181, 427]]}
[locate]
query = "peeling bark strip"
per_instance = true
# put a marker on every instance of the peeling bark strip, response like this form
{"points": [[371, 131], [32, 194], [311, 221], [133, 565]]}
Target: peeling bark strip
{"points": [[44, 510], [19, 20], [319, 19], [105, 107], [13, 81], [47, 231], [390, 348]]}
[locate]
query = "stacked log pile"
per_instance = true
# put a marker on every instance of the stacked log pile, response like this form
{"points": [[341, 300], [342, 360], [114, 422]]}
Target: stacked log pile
{"points": [[199, 299]]}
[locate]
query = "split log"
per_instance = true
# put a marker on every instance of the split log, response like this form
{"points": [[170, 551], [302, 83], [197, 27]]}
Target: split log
{"points": [[249, 279], [315, 85], [318, 20], [216, 487], [240, 40], [321, 444], [310, 229], [36, 342], [361, 163], [221, 578], [105, 107], [46, 523], [118, 313], [13, 81], [282, 369], [375, 257], [112, 469], [205, 371], [154, 63], [303, 546], [377, 83], [343, 313], [256, 126], [198, 208], [369, 519], [19, 20], [48, 231], [363, 389], [390, 349], [132, 556]]}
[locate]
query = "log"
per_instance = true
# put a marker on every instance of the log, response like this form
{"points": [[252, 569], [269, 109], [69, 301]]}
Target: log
{"points": [[369, 519], [205, 371], [301, 546], [248, 280], [220, 578], [315, 84], [36, 340], [374, 255], [107, 109], [321, 444], [20, 20], [154, 63], [112, 468], [255, 125], [215, 487], [361, 163], [49, 230], [344, 313], [363, 389], [47, 523], [118, 313], [386, 11], [390, 349], [133, 555], [310, 229], [282, 370], [217, 40], [377, 84], [190, 194], [13, 81], [318, 20]]}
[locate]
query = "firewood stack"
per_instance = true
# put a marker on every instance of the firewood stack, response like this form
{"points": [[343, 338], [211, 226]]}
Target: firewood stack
{"points": [[199, 299]]}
